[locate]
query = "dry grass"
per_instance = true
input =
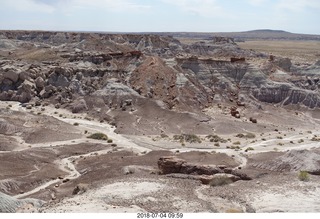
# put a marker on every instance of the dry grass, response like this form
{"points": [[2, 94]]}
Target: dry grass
{"points": [[299, 51]]}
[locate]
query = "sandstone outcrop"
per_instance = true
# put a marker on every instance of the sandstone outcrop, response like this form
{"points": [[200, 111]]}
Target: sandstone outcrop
{"points": [[171, 164]]}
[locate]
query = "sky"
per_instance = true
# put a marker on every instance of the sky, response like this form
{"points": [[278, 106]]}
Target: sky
{"points": [[297, 16]]}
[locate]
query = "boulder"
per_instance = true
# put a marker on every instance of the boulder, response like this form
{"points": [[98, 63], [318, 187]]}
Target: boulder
{"points": [[79, 105], [24, 76], [80, 189], [12, 75], [40, 83], [187, 168], [170, 164]]}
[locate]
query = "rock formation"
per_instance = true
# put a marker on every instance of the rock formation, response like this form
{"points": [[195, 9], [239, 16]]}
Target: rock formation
{"points": [[171, 164]]}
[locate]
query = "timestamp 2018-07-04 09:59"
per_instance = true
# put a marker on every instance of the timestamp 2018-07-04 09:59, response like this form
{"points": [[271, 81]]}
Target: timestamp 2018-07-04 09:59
{"points": [[159, 215]]}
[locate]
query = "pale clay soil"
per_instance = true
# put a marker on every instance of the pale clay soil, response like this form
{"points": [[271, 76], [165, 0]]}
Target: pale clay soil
{"points": [[147, 193]]}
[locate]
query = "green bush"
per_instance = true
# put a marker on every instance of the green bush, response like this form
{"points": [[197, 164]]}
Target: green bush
{"points": [[99, 136], [303, 176]]}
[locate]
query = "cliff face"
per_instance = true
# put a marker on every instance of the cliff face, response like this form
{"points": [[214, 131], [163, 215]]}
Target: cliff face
{"points": [[65, 66]]}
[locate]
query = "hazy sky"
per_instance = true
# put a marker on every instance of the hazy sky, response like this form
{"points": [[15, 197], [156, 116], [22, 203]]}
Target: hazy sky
{"points": [[299, 16]]}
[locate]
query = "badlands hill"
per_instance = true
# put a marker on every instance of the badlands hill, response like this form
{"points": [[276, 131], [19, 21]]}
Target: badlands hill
{"points": [[99, 122]]}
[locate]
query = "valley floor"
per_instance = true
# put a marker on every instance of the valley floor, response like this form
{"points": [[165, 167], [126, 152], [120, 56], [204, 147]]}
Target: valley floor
{"points": [[74, 173]]}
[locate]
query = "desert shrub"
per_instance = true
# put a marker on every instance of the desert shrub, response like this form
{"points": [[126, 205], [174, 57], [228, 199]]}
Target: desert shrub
{"points": [[315, 138], [216, 138], [279, 137], [87, 118], [300, 141], [247, 135], [220, 181], [99, 136], [303, 176], [250, 149], [236, 142], [235, 147], [240, 135], [164, 136], [178, 137], [76, 124], [191, 138], [217, 144], [109, 140]]}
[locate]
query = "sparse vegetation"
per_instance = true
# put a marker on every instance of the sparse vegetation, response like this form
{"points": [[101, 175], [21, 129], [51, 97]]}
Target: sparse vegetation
{"points": [[300, 141], [250, 149], [164, 136], [315, 138], [99, 136], [191, 138], [76, 124], [109, 140], [303, 176], [216, 138], [247, 135], [235, 147], [279, 137], [236, 143]]}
